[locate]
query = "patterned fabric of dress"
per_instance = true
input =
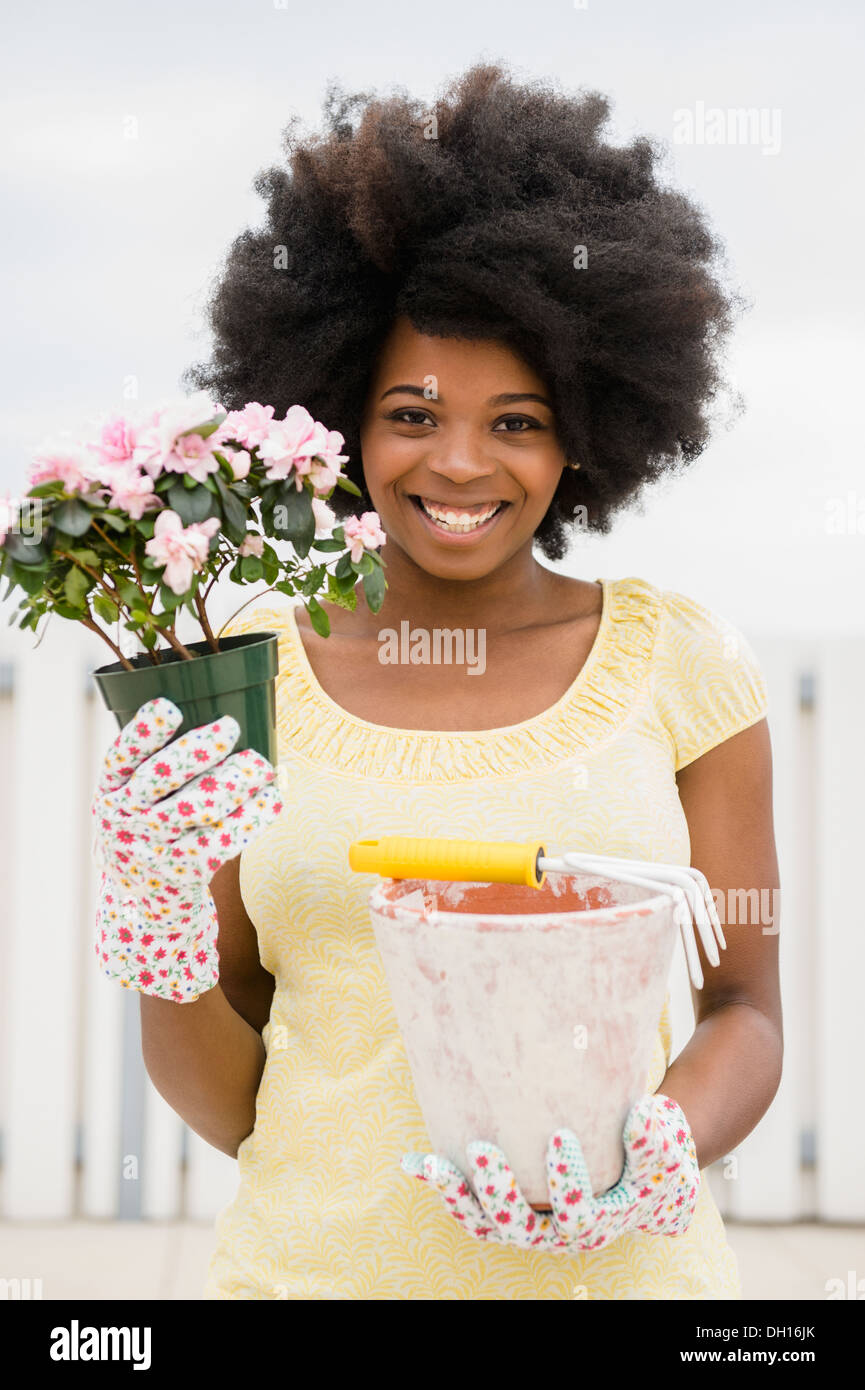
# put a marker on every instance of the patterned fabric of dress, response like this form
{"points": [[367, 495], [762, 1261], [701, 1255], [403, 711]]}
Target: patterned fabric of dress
{"points": [[323, 1210]]}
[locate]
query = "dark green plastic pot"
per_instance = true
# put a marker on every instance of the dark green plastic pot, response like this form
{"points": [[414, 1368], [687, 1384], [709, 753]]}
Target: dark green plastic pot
{"points": [[239, 680]]}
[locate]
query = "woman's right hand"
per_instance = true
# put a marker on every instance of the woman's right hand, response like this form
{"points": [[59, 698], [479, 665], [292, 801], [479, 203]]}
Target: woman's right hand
{"points": [[165, 821]]}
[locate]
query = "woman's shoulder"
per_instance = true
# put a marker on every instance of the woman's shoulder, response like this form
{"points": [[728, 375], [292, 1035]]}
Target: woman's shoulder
{"points": [[706, 680]]}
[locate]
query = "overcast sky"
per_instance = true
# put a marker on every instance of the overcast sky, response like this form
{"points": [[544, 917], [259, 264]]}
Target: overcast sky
{"points": [[111, 241]]}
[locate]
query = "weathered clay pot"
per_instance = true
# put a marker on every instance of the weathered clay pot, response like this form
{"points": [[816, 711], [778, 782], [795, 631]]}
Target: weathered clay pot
{"points": [[524, 1010]]}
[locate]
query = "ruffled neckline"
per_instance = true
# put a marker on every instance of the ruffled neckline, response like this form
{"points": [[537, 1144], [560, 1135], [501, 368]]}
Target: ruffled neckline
{"points": [[590, 713]]}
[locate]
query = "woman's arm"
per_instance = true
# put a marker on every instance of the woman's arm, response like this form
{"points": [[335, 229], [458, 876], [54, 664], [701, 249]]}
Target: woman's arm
{"points": [[246, 984], [206, 1058], [727, 1075]]}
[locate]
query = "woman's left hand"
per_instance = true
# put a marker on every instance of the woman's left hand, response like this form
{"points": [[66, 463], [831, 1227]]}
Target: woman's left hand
{"points": [[657, 1192]]}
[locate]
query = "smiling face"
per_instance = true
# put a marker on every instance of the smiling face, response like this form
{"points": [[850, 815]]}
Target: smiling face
{"points": [[460, 453]]}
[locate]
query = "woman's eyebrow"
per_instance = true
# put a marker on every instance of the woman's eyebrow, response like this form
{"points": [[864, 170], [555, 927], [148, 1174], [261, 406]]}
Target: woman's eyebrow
{"points": [[506, 398]]}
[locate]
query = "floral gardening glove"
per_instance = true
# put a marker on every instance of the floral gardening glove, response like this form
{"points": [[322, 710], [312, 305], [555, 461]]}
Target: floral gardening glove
{"points": [[656, 1193], [165, 822]]}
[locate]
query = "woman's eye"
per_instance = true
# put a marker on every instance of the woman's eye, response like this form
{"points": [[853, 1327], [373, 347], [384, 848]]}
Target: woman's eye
{"points": [[514, 424], [519, 420], [420, 416]]}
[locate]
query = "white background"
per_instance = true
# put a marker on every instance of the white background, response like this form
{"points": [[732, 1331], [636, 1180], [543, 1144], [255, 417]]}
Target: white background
{"points": [[111, 242]]}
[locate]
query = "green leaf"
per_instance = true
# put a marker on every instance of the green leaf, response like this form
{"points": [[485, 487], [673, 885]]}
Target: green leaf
{"points": [[105, 608], [318, 618], [348, 486], [373, 587], [251, 568], [130, 594], [343, 568], [233, 513], [191, 504], [296, 520], [27, 552], [170, 600], [73, 517], [364, 565], [117, 523], [209, 427], [144, 526], [54, 489], [75, 586], [32, 581], [312, 582], [345, 582], [271, 570], [328, 545], [85, 556], [149, 638], [335, 595]]}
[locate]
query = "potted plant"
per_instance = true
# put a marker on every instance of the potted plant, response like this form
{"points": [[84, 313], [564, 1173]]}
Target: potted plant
{"points": [[128, 528]]}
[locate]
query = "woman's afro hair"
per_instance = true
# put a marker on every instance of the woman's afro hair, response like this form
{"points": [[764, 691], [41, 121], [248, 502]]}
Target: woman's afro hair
{"points": [[466, 217]]}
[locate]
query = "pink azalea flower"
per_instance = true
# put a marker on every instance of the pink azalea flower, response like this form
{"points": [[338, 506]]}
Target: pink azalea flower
{"points": [[116, 440], [363, 531], [290, 442], [132, 492], [155, 443], [66, 461], [325, 520], [252, 545], [193, 455], [183, 550], [322, 477], [325, 467], [249, 426], [239, 459]]}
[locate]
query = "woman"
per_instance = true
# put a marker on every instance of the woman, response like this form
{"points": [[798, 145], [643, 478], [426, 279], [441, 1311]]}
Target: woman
{"points": [[516, 327]]}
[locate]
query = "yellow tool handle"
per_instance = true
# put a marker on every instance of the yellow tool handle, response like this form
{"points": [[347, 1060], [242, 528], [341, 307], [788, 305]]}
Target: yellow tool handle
{"points": [[478, 861]]}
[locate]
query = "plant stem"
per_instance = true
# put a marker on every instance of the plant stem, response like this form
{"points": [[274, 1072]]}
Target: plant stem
{"points": [[175, 642], [230, 619], [113, 593], [121, 553], [225, 562], [88, 623], [205, 625]]}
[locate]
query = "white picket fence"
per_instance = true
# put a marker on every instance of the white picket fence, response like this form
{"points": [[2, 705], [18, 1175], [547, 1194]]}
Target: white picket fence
{"points": [[84, 1132]]}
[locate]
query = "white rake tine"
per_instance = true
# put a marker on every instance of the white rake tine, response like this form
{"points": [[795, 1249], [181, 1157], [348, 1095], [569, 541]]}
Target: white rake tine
{"points": [[661, 871], [689, 880], [681, 905]]}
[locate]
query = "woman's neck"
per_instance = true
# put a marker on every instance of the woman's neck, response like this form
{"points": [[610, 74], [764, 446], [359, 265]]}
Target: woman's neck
{"points": [[514, 595]]}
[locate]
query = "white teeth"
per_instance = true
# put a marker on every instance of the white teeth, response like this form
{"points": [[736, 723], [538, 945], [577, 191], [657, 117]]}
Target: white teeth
{"points": [[458, 522]]}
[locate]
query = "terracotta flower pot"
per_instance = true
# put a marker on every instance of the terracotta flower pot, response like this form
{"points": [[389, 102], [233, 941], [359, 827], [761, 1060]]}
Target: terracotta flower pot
{"points": [[239, 680], [526, 1010]]}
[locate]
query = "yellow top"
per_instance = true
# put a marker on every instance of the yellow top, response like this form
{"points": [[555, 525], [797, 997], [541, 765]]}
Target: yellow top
{"points": [[323, 1209]]}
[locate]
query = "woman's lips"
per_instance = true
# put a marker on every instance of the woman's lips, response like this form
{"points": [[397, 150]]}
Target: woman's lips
{"points": [[458, 537]]}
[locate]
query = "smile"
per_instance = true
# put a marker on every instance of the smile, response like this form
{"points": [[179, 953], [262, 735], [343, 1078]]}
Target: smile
{"points": [[458, 521]]}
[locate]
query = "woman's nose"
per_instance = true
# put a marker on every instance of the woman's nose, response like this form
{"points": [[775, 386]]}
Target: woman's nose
{"points": [[460, 460]]}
